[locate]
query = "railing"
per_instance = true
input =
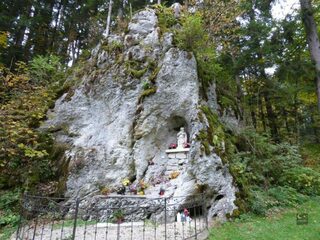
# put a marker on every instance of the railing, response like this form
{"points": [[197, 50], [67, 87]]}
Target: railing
{"points": [[113, 217]]}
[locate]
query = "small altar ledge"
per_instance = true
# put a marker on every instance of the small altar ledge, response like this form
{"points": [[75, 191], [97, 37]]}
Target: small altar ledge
{"points": [[178, 150]]}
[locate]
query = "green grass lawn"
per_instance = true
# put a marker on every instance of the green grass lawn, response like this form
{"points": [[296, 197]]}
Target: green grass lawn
{"points": [[276, 227]]}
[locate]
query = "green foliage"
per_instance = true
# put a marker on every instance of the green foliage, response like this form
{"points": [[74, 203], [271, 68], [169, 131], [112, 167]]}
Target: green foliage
{"points": [[135, 69], [137, 73], [118, 215], [9, 201], [278, 225], [166, 18], [85, 55], [25, 153], [310, 153], [305, 180], [147, 93], [267, 158], [287, 196], [8, 218], [114, 46], [154, 74], [193, 37], [44, 69], [146, 85], [3, 39], [261, 202], [260, 164], [215, 134]]}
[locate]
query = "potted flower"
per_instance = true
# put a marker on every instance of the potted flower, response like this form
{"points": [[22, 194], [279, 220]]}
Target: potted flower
{"points": [[161, 192], [125, 182], [186, 145], [141, 187], [118, 216], [133, 189], [105, 191], [173, 146]]}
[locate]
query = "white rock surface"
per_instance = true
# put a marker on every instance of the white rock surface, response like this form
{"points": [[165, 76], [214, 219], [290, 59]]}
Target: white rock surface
{"points": [[112, 136]]}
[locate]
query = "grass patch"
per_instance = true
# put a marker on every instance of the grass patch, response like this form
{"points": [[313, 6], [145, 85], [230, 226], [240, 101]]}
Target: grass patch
{"points": [[147, 93], [70, 223], [6, 233], [275, 226]]}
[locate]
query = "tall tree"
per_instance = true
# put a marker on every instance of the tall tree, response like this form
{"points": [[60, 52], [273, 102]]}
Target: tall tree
{"points": [[312, 39], [108, 18]]}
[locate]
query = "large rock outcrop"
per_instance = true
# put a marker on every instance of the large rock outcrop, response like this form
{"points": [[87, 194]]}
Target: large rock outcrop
{"points": [[125, 112]]}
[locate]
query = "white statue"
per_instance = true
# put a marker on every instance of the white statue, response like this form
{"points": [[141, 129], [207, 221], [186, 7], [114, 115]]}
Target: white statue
{"points": [[182, 138]]}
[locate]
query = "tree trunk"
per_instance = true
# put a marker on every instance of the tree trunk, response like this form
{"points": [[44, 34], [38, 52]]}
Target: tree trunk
{"points": [[262, 116], [56, 27], [312, 39], [109, 19], [159, 1], [252, 112], [271, 117]]}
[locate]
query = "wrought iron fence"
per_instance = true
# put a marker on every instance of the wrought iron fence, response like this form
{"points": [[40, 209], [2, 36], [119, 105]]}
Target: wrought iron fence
{"points": [[112, 217]]}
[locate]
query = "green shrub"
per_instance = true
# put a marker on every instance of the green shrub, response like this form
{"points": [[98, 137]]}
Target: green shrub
{"points": [[9, 201], [286, 196], [8, 218], [44, 69], [260, 163], [166, 18], [114, 46], [263, 161], [304, 180], [261, 201], [192, 35]]}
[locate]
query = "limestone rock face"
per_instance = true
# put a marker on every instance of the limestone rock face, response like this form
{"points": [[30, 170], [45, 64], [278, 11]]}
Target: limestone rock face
{"points": [[115, 127]]}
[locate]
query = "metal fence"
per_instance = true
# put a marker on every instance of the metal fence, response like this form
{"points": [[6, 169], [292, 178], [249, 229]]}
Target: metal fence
{"points": [[113, 217]]}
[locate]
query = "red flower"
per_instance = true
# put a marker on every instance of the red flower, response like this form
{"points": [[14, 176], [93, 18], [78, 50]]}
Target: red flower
{"points": [[186, 145], [173, 146]]}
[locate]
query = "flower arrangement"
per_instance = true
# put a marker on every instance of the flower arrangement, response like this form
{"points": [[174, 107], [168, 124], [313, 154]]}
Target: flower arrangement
{"points": [[133, 188], [141, 187], [118, 216], [174, 174], [162, 191], [138, 188], [158, 180], [125, 182], [105, 191], [186, 145], [173, 146]]}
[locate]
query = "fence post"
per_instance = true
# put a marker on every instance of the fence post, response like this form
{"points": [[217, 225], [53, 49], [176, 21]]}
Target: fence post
{"points": [[195, 219], [165, 218], [21, 215], [75, 219]]}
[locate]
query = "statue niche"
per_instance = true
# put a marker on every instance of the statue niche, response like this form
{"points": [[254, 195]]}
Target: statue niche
{"points": [[182, 139], [182, 144]]}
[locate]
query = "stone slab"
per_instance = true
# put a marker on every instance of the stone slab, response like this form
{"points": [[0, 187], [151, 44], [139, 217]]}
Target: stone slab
{"points": [[178, 150], [181, 155]]}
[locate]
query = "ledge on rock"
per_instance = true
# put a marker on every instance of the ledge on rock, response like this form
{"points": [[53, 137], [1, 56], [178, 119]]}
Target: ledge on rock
{"points": [[179, 150]]}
